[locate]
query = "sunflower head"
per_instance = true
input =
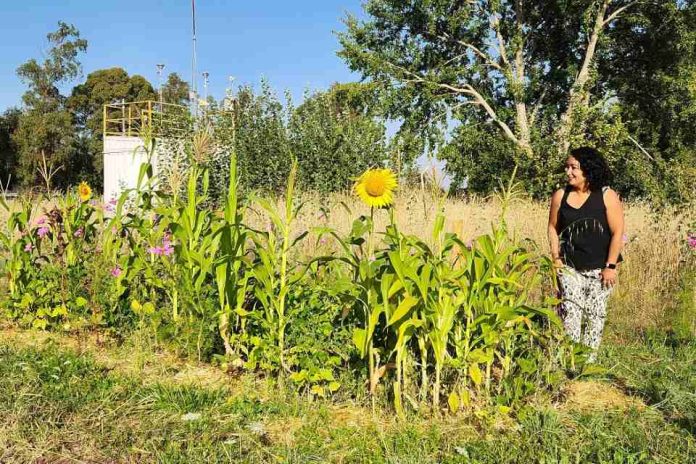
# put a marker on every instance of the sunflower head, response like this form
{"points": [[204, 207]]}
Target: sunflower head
{"points": [[84, 191], [375, 187]]}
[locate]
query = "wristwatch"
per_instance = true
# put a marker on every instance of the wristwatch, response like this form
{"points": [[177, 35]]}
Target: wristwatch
{"points": [[610, 266]]}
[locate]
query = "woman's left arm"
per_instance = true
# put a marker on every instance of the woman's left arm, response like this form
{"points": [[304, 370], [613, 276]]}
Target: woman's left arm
{"points": [[615, 218]]}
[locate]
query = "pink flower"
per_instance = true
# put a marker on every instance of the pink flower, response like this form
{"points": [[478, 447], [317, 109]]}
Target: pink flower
{"points": [[624, 238], [166, 249], [116, 272], [41, 220], [469, 244], [28, 247], [43, 231], [78, 233], [156, 250], [111, 205], [691, 240]]}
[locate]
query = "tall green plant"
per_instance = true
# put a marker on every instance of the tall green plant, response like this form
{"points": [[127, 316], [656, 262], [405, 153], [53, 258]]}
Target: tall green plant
{"points": [[272, 271]]}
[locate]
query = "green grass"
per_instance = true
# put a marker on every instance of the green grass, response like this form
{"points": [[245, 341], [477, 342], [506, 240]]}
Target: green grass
{"points": [[59, 406], [661, 369]]}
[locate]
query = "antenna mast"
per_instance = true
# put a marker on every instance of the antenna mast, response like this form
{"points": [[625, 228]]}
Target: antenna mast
{"points": [[194, 90]]}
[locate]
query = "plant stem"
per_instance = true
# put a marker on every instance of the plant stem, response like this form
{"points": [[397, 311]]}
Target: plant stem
{"points": [[436, 387]]}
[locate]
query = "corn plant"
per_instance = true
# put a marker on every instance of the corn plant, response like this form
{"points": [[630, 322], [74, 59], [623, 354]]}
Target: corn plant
{"points": [[273, 274], [232, 266], [18, 242]]}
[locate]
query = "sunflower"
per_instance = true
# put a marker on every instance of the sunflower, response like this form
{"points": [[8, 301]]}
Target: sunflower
{"points": [[375, 187], [84, 191]]}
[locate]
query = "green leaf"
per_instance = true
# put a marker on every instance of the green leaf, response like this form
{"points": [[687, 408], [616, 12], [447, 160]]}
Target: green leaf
{"points": [[404, 307], [475, 374], [317, 390], [148, 308], [453, 402], [299, 377], [334, 386], [359, 338]]}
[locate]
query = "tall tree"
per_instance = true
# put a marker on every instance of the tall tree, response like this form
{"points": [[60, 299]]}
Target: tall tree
{"points": [[87, 101], [45, 127], [335, 138], [522, 70], [9, 121], [175, 90], [650, 67]]}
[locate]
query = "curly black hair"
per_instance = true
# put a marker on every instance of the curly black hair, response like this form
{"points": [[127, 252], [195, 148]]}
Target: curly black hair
{"points": [[594, 166]]}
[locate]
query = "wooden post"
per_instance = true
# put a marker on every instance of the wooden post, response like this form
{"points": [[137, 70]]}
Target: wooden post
{"points": [[104, 124], [130, 120]]}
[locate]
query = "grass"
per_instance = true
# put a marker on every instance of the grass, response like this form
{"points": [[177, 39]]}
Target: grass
{"points": [[84, 399]]}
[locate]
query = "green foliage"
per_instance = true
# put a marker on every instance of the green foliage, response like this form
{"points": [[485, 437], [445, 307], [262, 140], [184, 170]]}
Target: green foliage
{"points": [[334, 140], [462, 314], [500, 84], [464, 318], [46, 126], [175, 90], [48, 260], [9, 120], [332, 135], [86, 103], [259, 134]]}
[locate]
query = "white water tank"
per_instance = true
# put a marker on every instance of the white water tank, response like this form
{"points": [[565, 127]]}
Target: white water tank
{"points": [[123, 156]]}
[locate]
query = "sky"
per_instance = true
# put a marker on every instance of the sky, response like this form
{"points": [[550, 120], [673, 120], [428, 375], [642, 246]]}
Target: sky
{"points": [[290, 43]]}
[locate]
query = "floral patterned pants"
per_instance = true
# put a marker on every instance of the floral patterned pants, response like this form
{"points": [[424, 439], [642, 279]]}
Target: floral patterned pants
{"points": [[584, 304]]}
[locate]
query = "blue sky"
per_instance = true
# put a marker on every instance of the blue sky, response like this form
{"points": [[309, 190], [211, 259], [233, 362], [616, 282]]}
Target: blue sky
{"points": [[291, 43]]}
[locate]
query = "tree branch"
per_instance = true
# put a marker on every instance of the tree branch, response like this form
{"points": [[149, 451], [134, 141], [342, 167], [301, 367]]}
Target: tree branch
{"points": [[616, 13], [501, 42], [477, 51], [537, 105], [640, 147], [578, 89], [468, 90]]}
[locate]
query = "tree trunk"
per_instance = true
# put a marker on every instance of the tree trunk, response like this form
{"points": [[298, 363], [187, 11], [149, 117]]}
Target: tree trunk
{"points": [[578, 92], [518, 83]]}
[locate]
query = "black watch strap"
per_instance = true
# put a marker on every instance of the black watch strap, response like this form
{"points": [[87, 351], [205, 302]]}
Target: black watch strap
{"points": [[610, 266]]}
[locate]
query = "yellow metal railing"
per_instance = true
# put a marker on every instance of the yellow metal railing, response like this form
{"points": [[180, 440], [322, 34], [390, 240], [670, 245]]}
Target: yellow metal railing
{"points": [[133, 119]]}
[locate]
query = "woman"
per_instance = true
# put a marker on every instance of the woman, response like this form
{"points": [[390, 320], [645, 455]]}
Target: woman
{"points": [[585, 233]]}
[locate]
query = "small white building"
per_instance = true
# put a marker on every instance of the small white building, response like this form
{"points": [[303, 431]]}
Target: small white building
{"points": [[123, 156], [124, 126]]}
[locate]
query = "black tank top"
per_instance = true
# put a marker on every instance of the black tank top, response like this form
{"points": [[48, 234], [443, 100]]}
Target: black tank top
{"points": [[584, 232]]}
